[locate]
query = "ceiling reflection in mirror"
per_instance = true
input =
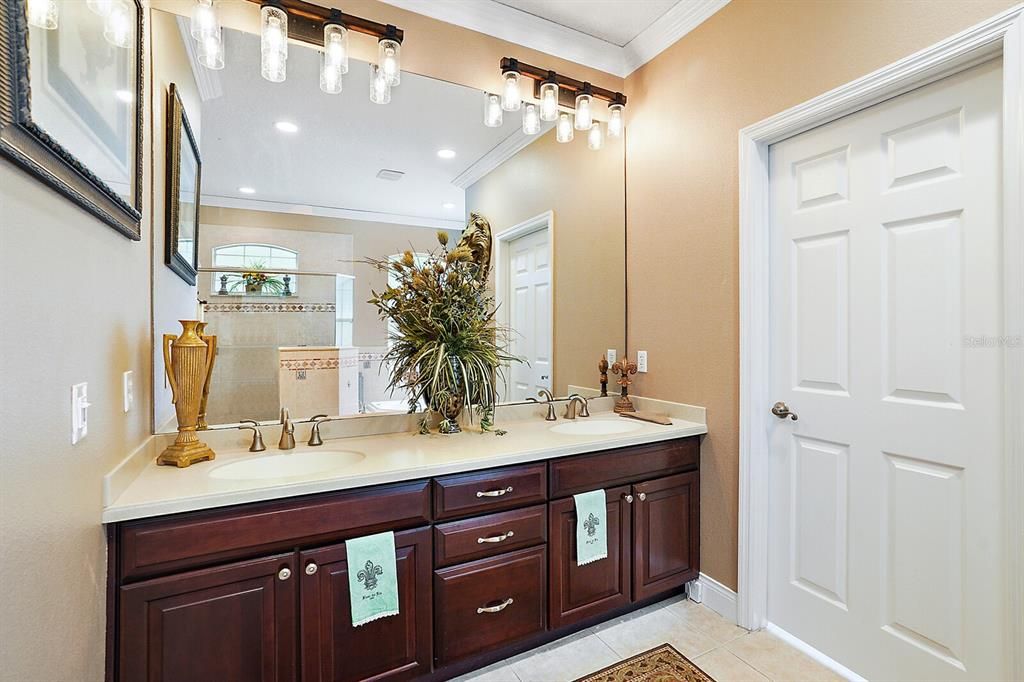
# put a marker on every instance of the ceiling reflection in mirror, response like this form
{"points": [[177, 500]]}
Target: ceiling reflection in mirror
{"points": [[299, 187]]}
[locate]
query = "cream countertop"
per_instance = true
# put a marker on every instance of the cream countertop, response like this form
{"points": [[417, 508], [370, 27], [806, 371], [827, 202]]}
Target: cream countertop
{"points": [[390, 458]]}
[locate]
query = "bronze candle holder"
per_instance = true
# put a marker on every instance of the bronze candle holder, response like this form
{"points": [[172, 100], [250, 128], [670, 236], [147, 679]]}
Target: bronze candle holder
{"points": [[602, 367], [624, 368]]}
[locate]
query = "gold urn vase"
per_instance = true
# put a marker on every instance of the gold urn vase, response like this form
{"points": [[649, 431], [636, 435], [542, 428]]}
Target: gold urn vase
{"points": [[187, 360], [211, 342]]}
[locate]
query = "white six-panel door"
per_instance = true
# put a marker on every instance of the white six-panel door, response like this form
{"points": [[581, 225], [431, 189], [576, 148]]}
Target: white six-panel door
{"points": [[529, 301], [885, 540]]}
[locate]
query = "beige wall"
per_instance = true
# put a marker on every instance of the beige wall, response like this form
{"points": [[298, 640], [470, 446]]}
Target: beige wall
{"points": [[586, 191], [750, 60]]}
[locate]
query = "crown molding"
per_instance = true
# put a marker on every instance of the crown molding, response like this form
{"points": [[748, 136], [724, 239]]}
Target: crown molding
{"points": [[331, 212], [499, 154], [515, 26], [207, 80], [682, 18]]}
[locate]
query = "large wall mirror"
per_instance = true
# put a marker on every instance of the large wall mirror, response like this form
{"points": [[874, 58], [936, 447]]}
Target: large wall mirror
{"points": [[298, 187]]}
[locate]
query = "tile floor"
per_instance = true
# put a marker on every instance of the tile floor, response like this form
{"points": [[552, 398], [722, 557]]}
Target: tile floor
{"points": [[726, 652]]}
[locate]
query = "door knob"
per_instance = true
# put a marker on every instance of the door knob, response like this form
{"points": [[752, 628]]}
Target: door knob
{"points": [[284, 573], [781, 410], [311, 569]]}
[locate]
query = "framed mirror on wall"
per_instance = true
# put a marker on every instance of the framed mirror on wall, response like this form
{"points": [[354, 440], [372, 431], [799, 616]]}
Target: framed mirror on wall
{"points": [[71, 109], [184, 173]]}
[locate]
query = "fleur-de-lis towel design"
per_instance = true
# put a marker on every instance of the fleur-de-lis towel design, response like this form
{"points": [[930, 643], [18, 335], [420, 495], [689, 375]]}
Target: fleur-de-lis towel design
{"points": [[372, 579], [591, 527]]}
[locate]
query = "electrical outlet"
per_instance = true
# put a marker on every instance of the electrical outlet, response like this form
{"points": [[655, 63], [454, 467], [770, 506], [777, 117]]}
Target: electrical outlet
{"points": [[128, 389], [641, 361], [611, 356], [79, 412]]}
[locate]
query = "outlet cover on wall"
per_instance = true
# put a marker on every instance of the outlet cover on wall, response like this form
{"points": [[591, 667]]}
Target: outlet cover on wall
{"points": [[611, 356], [128, 389], [641, 361]]}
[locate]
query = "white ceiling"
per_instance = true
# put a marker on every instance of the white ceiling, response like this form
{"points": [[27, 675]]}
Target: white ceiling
{"points": [[331, 163], [615, 36], [613, 21]]}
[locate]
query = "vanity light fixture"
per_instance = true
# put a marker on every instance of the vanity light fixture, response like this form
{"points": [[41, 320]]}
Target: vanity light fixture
{"points": [[531, 118], [446, 153], [492, 110], [563, 129], [42, 14], [117, 25], [273, 42], [549, 98], [210, 52], [595, 136], [584, 115], [204, 22], [334, 58], [389, 56], [511, 99], [286, 127], [99, 7], [380, 90], [616, 118]]}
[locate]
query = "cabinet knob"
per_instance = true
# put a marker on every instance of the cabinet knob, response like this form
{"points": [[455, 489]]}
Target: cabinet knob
{"points": [[628, 499], [311, 569], [284, 573], [494, 609], [642, 496], [496, 538], [494, 493]]}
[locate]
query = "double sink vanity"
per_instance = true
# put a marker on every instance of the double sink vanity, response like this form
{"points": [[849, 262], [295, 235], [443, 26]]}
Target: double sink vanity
{"points": [[236, 569]]}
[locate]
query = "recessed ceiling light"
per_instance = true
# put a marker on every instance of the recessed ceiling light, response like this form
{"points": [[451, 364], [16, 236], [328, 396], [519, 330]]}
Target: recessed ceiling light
{"points": [[286, 127], [247, 190], [446, 153], [447, 204], [124, 95]]}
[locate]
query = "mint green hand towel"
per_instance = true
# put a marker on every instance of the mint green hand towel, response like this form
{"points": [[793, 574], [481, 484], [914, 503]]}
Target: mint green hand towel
{"points": [[591, 527], [372, 578]]}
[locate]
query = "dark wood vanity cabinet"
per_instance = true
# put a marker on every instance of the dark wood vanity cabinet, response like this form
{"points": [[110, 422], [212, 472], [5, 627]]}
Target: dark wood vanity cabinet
{"points": [[486, 568]]}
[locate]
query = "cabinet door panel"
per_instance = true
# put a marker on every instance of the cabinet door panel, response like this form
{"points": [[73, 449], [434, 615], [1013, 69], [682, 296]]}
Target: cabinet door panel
{"points": [[666, 533], [578, 592], [392, 648], [225, 624]]}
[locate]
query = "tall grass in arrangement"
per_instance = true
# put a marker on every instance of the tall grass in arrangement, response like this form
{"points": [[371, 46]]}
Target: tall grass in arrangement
{"points": [[446, 346]]}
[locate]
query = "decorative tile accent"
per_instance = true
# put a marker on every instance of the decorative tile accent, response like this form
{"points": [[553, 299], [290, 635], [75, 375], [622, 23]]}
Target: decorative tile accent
{"points": [[371, 357], [318, 363], [270, 307]]}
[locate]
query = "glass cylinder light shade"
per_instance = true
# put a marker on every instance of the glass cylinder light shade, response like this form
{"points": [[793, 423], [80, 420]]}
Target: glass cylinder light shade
{"points": [[616, 120], [511, 99], [380, 90], [334, 59], [99, 7], [211, 52], [563, 129], [273, 43], [531, 118], [492, 110], [584, 117], [549, 101], [118, 29], [42, 14], [204, 21], [595, 136], [389, 55]]}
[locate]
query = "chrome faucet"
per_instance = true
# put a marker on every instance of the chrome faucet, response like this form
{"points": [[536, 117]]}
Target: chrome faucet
{"points": [[548, 398], [257, 437], [571, 411], [287, 441], [314, 433]]}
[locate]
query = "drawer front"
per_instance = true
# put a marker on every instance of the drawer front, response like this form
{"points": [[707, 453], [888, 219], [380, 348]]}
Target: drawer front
{"points": [[484, 536], [491, 490], [489, 603], [163, 545], [572, 475]]}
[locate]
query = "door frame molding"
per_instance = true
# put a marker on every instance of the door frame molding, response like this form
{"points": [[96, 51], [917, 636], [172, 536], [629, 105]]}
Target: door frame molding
{"points": [[543, 221], [1002, 34]]}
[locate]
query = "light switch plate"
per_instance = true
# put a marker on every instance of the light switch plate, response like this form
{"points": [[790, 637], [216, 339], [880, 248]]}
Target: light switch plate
{"points": [[128, 389], [611, 356], [641, 361], [79, 411]]}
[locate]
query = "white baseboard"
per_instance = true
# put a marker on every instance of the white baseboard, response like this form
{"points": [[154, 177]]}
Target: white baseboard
{"points": [[715, 596], [807, 649]]}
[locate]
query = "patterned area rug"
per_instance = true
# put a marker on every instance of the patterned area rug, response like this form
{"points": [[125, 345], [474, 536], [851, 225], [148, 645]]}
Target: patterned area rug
{"points": [[660, 664]]}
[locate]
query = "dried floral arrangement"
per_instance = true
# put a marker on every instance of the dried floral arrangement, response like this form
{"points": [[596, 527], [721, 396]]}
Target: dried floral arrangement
{"points": [[446, 346]]}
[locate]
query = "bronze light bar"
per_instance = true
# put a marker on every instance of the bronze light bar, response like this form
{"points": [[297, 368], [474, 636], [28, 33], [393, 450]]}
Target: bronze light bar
{"points": [[306, 22], [565, 83]]}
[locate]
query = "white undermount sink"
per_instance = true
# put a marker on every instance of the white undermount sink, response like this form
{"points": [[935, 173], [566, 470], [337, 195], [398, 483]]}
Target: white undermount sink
{"points": [[288, 465], [596, 427]]}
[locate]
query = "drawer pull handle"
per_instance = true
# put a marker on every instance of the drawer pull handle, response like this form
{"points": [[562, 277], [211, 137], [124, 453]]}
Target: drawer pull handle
{"points": [[496, 538], [494, 609], [494, 493]]}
